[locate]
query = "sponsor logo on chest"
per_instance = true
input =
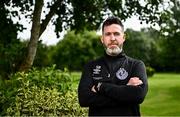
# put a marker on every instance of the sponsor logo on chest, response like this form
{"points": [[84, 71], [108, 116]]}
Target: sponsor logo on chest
{"points": [[96, 72], [97, 69]]}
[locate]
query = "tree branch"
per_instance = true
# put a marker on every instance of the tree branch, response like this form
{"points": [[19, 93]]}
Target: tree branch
{"points": [[49, 16]]}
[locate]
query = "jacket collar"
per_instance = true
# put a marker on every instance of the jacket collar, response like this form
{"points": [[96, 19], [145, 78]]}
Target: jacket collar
{"points": [[121, 55]]}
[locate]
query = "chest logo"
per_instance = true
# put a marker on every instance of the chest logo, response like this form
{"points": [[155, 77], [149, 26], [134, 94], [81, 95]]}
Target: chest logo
{"points": [[121, 74], [97, 69]]}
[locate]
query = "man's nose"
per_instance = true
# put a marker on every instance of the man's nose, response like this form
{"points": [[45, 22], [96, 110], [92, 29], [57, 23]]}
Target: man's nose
{"points": [[113, 37]]}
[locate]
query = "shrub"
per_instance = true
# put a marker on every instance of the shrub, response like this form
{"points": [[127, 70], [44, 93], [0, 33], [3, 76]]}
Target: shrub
{"points": [[46, 92], [45, 102]]}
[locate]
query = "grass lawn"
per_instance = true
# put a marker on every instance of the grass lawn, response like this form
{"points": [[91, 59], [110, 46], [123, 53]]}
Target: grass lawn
{"points": [[163, 98]]}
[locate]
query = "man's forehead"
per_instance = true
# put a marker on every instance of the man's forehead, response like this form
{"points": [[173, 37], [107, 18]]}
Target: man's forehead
{"points": [[112, 28]]}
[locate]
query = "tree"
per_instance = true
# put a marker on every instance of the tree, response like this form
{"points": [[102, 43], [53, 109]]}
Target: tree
{"points": [[171, 32], [142, 45], [9, 44], [83, 47], [77, 14]]}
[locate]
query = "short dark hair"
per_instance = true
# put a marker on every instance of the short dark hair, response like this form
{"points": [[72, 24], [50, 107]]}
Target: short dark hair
{"points": [[112, 20]]}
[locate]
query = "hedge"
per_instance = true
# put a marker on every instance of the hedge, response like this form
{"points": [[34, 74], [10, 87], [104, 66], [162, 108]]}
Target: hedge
{"points": [[46, 92]]}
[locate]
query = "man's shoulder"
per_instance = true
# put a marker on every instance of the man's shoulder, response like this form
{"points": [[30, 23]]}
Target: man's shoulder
{"points": [[134, 60], [95, 61]]}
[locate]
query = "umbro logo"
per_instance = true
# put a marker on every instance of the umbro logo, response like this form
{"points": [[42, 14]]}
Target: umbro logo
{"points": [[97, 69]]}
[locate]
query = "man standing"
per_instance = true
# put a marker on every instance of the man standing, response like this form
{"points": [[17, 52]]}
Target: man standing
{"points": [[115, 84]]}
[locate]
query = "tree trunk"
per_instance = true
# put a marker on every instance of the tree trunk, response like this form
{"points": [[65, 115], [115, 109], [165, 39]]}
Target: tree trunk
{"points": [[33, 43], [37, 30]]}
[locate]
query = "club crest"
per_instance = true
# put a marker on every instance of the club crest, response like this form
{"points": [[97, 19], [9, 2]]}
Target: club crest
{"points": [[121, 74]]}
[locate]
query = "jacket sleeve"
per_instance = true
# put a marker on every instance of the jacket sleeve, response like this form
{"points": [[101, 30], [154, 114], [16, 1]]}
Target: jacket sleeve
{"points": [[126, 93], [88, 98]]}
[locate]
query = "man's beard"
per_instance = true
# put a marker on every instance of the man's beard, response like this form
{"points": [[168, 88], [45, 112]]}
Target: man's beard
{"points": [[114, 51]]}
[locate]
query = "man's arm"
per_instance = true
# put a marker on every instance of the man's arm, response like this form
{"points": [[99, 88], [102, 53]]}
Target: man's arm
{"points": [[135, 90], [85, 94], [134, 81]]}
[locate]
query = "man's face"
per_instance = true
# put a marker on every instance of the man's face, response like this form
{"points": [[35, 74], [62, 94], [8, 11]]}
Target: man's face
{"points": [[113, 38]]}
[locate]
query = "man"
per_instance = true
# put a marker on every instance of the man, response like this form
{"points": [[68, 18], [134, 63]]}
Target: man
{"points": [[113, 85]]}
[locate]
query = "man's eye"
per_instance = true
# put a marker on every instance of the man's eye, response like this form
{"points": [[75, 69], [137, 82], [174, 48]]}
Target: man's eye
{"points": [[117, 34], [107, 34]]}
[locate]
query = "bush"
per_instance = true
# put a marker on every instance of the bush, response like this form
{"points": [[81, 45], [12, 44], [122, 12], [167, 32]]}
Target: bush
{"points": [[46, 92], [150, 71], [45, 102]]}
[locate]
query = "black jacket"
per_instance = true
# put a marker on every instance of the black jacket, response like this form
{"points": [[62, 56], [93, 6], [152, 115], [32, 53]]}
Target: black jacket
{"points": [[114, 96]]}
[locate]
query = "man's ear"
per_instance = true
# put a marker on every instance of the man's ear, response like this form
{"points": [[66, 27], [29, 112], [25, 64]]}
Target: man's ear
{"points": [[124, 37], [102, 41]]}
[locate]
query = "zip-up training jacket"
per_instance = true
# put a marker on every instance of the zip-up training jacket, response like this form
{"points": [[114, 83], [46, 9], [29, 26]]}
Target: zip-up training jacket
{"points": [[115, 97]]}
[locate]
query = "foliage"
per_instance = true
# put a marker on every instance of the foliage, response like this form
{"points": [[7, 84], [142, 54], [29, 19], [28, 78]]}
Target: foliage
{"points": [[77, 49], [74, 14], [78, 14], [171, 22], [45, 92], [11, 56], [142, 45], [10, 47], [150, 71], [170, 53], [43, 57], [9, 28]]}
